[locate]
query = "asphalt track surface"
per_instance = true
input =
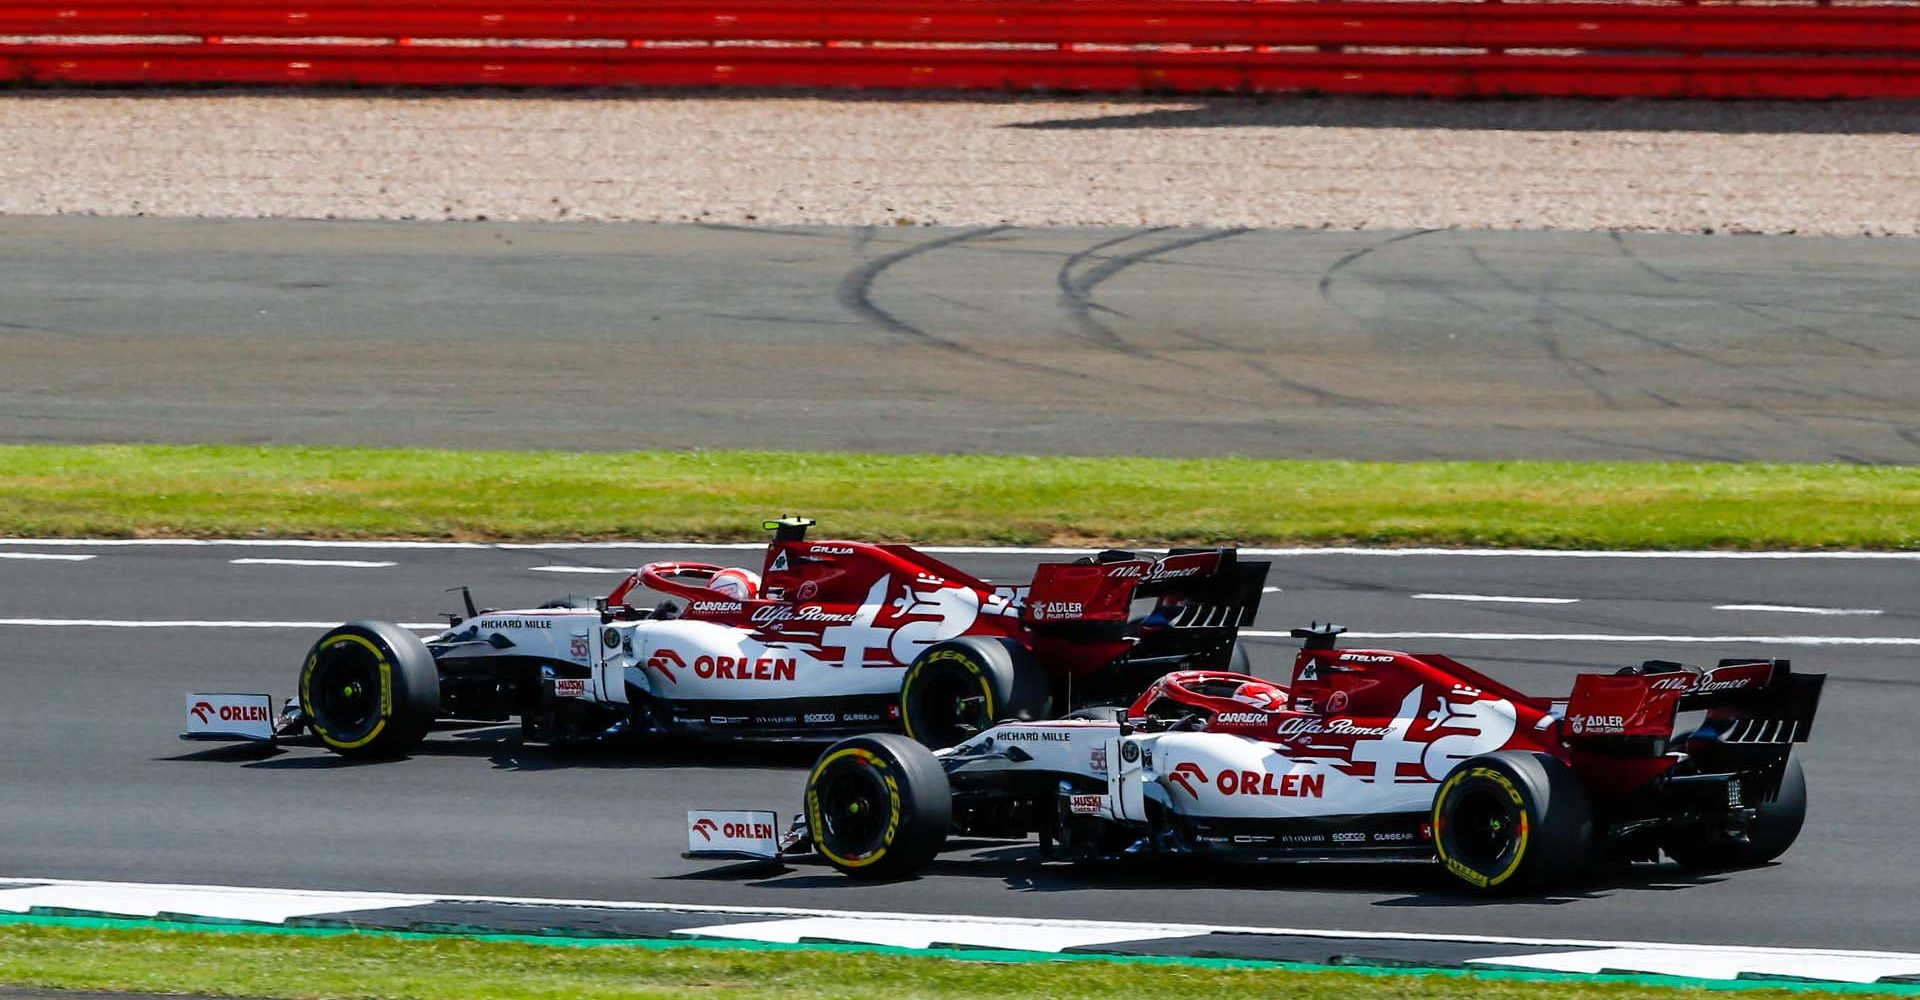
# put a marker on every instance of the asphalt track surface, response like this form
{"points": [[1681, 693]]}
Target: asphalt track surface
{"points": [[95, 785], [1269, 343]]}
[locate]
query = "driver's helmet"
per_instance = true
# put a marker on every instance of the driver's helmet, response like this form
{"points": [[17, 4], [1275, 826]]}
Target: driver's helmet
{"points": [[1261, 695], [739, 584]]}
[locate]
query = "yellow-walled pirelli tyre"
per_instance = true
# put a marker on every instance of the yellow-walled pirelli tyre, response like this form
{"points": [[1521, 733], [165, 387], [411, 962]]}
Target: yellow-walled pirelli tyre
{"points": [[370, 690], [878, 807], [1511, 821], [955, 689]]}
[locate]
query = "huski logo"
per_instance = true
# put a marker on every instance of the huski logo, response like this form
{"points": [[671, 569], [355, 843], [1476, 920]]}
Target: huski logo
{"points": [[1185, 773], [705, 828]]}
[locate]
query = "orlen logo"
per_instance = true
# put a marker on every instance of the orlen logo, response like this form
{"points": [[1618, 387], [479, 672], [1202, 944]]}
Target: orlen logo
{"points": [[231, 713], [666, 658], [705, 828], [1184, 774], [1231, 782], [748, 831]]}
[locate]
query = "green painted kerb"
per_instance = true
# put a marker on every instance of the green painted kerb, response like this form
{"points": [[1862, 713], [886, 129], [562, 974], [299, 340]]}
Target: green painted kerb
{"points": [[564, 940]]}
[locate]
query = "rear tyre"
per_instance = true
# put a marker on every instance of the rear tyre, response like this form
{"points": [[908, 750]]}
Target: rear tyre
{"points": [[1513, 820], [878, 807], [956, 689], [370, 690], [1775, 827]]}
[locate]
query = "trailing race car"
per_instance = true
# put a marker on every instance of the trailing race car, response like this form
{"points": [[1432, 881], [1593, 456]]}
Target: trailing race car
{"points": [[1368, 754], [828, 638]]}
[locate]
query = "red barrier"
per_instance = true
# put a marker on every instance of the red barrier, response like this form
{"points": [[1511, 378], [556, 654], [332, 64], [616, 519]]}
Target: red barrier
{"points": [[1590, 49]]}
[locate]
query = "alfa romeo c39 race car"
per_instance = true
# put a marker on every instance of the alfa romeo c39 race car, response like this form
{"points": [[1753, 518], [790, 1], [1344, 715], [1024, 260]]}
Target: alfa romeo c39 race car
{"points": [[1367, 754], [828, 638]]}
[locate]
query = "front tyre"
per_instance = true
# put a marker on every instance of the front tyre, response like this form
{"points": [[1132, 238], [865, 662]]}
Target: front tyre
{"points": [[370, 690], [1776, 825], [956, 689], [878, 807], [1512, 820]]}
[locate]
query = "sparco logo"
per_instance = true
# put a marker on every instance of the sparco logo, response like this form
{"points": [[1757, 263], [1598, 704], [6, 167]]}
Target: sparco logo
{"points": [[705, 828]]}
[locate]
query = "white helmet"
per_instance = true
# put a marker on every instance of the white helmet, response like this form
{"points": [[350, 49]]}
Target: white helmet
{"points": [[739, 584]]}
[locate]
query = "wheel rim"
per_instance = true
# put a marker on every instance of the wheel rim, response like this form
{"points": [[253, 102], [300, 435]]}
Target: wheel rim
{"points": [[953, 710], [1482, 829], [345, 689], [853, 810]]}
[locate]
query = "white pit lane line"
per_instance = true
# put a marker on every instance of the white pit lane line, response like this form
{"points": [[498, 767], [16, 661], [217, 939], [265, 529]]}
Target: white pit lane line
{"points": [[337, 563], [1496, 599], [1794, 609]]}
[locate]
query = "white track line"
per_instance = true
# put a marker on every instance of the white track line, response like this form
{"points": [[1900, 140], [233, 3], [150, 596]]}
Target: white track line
{"points": [[186, 623], [1494, 599], [309, 543], [343, 563], [1725, 640], [1794, 609], [50, 556], [576, 569], [1141, 930]]}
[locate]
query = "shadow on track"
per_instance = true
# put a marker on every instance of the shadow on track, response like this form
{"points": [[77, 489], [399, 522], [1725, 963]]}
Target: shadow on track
{"points": [[502, 746]]}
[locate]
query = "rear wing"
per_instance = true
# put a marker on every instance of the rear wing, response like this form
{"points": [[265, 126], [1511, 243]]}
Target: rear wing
{"points": [[1202, 598], [1748, 702]]}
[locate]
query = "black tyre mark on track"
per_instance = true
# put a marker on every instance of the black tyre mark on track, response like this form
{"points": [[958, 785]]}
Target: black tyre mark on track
{"points": [[1079, 292], [1620, 244], [855, 294], [1325, 285], [1636, 260], [1075, 297]]}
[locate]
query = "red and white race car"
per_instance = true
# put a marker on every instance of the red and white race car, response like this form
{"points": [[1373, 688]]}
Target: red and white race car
{"points": [[1367, 753], [827, 638]]}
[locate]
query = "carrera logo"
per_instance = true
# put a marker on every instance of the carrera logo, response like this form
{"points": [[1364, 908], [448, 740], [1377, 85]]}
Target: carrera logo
{"points": [[203, 710], [706, 828], [1242, 718], [667, 661], [716, 607], [1184, 774]]}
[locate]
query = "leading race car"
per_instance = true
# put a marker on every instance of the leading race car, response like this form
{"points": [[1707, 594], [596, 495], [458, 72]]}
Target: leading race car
{"points": [[1367, 754], [828, 638]]}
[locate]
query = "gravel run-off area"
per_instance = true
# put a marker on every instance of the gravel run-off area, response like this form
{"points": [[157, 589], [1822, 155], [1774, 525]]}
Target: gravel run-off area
{"points": [[1826, 168]]}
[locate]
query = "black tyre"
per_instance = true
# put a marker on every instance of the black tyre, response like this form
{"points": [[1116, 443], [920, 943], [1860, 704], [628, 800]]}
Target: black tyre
{"points": [[1512, 820], [1775, 828], [370, 690], [878, 807], [1239, 662], [956, 689]]}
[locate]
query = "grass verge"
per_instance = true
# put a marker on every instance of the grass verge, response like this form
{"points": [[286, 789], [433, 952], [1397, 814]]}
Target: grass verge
{"points": [[219, 490], [297, 966]]}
